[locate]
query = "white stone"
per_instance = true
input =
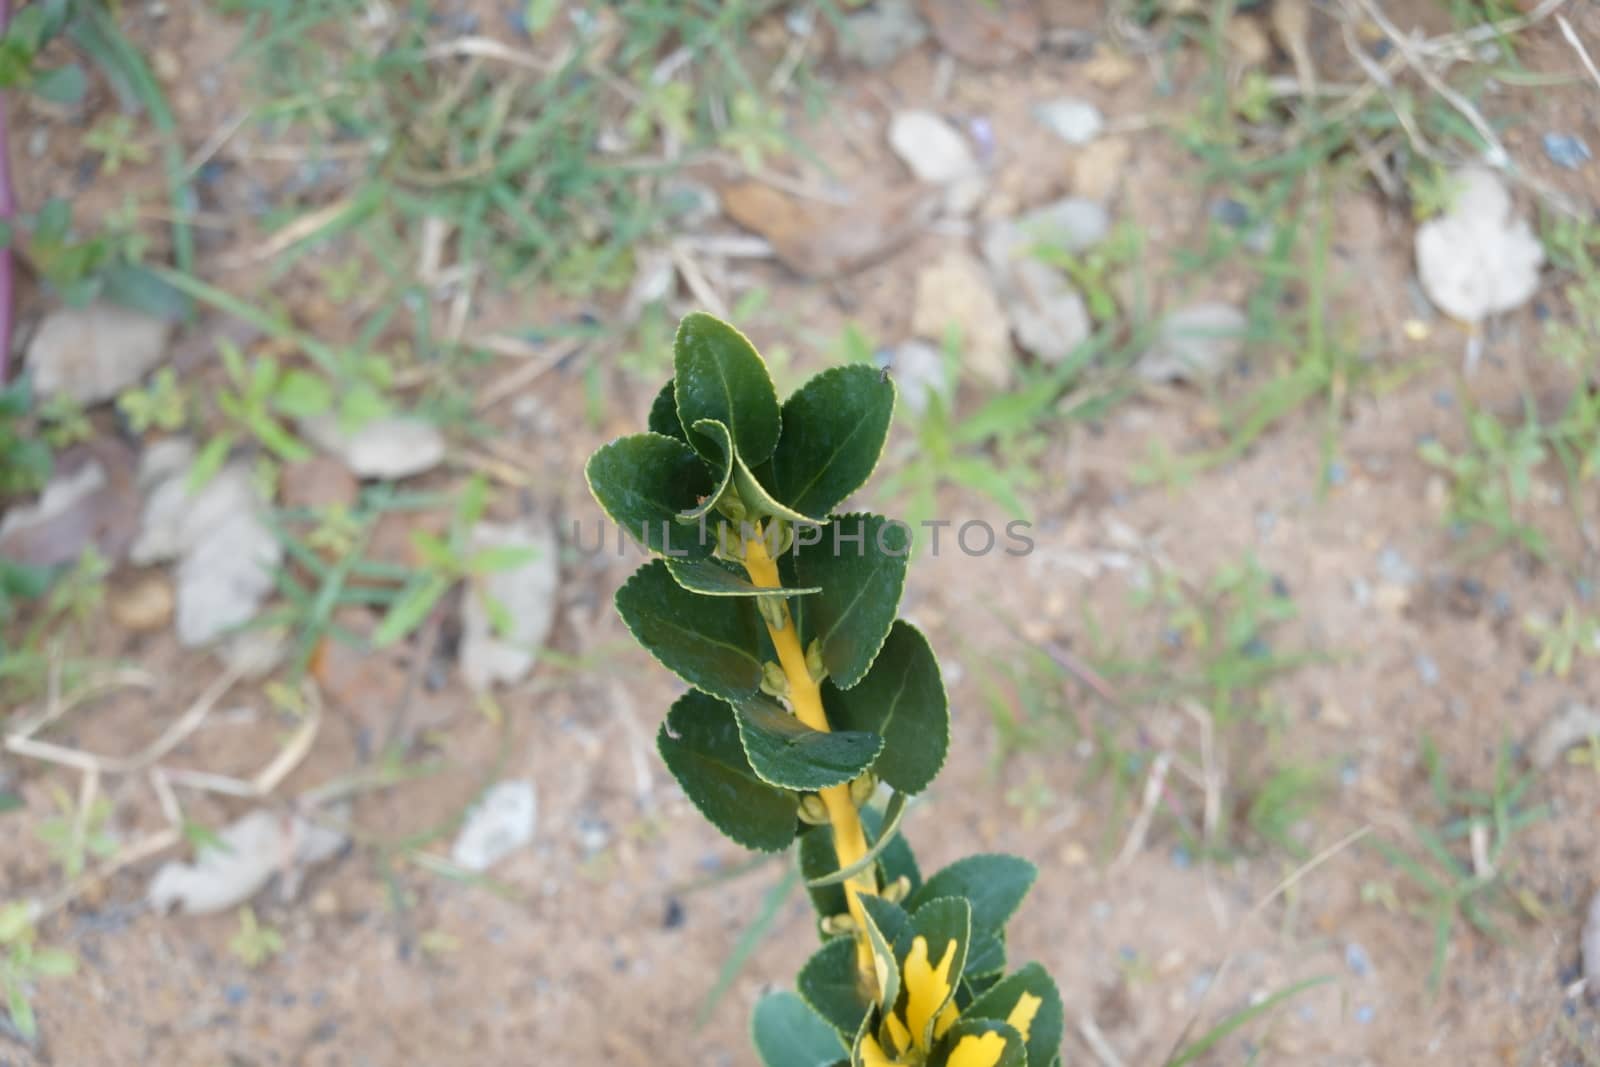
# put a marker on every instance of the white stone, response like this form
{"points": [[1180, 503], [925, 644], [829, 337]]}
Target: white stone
{"points": [[1196, 343], [252, 850], [1478, 259], [92, 353], [933, 149], [1075, 121], [525, 594], [394, 447], [501, 822]]}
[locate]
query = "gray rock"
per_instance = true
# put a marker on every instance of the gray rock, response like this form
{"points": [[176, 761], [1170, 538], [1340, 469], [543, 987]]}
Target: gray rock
{"points": [[1075, 121], [878, 35], [227, 567], [525, 594], [933, 149], [1047, 314], [92, 353], [253, 849], [1073, 224], [501, 822], [1574, 724], [395, 447], [1196, 343]]}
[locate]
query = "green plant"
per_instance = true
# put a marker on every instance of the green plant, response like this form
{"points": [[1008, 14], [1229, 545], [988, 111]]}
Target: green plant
{"points": [[991, 451], [25, 459], [73, 835], [1095, 270], [1472, 888], [23, 962], [447, 561], [162, 404], [1492, 477], [30, 29], [1561, 642], [808, 694], [113, 138], [254, 944]]}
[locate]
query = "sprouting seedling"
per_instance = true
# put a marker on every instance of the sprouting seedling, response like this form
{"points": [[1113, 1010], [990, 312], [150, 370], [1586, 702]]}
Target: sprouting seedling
{"points": [[808, 695]]}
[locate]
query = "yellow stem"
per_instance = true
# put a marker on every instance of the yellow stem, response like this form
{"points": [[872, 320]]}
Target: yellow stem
{"points": [[849, 842]]}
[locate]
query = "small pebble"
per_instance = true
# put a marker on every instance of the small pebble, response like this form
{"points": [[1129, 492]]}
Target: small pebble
{"points": [[1181, 858], [1365, 1014], [1076, 122], [1427, 669], [1337, 475], [235, 994], [1393, 568], [1567, 151], [1230, 212], [672, 918], [1356, 958]]}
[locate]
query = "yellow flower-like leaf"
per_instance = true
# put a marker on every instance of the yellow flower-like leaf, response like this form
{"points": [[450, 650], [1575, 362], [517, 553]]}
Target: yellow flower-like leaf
{"points": [[899, 1036], [872, 1054], [977, 1050], [928, 988], [1021, 1016]]}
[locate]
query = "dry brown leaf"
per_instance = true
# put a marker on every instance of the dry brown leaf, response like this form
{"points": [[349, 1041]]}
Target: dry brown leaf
{"points": [[985, 34], [823, 240], [92, 500]]}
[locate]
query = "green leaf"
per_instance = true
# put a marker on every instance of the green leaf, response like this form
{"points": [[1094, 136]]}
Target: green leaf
{"points": [[700, 743], [995, 884], [498, 558], [818, 860], [719, 375], [407, 613], [896, 859], [861, 582], [210, 460], [710, 642], [715, 577], [644, 482], [137, 286], [986, 956], [52, 221], [53, 963], [16, 920], [787, 1033], [891, 919], [831, 983], [903, 698], [719, 433], [1015, 1054], [664, 414], [301, 394], [1044, 1033], [885, 922], [758, 500], [538, 13], [21, 1012], [1193, 1051], [788, 753], [61, 85], [834, 428], [941, 923]]}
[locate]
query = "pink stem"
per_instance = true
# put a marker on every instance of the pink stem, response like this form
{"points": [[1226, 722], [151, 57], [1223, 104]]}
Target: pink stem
{"points": [[8, 211]]}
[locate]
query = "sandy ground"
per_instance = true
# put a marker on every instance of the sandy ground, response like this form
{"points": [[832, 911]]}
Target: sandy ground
{"points": [[599, 943]]}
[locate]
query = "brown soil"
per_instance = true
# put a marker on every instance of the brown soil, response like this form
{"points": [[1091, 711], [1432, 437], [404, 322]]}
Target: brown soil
{"points": [[599, 943]]}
